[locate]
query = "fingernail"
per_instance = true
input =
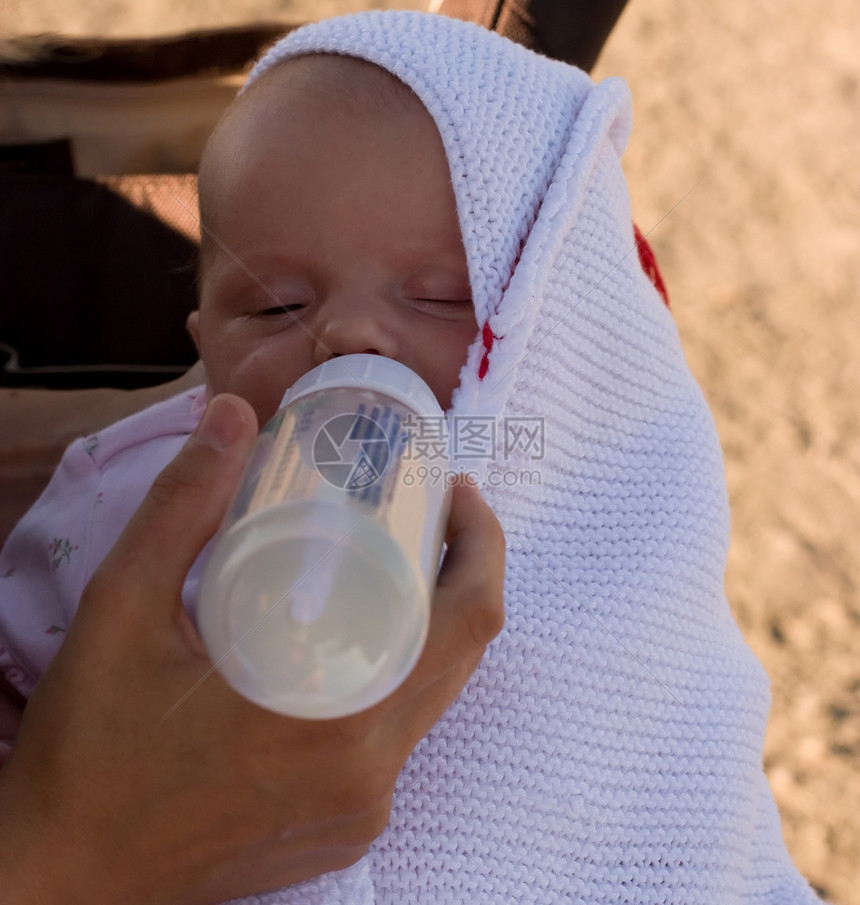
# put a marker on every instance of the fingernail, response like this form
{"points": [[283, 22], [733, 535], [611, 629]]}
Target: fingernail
{"points": [[221, 424]]}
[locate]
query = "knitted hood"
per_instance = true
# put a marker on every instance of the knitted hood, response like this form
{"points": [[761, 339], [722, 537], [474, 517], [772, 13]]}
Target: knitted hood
{"points": [[608, 748]]}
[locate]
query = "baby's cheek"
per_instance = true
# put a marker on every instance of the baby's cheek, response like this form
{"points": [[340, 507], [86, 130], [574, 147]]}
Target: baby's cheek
{"points": [[262, 380]]}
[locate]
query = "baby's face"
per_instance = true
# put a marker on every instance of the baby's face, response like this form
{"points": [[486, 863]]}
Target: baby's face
{"points": [[333, 230]]}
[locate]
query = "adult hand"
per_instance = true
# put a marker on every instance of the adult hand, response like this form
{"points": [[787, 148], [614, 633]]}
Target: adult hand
{"points": [[112, 794]]}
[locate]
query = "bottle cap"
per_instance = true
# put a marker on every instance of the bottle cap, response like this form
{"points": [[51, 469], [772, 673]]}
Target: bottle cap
{"points": [[368, 372]]}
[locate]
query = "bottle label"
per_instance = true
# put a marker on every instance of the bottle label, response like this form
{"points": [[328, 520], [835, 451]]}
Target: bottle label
{"points": [[348, 446]]}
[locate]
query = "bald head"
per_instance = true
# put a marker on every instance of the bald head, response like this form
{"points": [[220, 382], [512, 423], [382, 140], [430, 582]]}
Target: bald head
{"points": [[324, 85], [330, 227]]}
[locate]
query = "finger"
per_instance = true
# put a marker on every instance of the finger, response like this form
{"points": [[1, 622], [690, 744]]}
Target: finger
{"points": [[184, 505]]}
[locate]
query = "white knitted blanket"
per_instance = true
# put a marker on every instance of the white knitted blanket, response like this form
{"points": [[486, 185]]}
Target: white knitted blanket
{"points": [[608, 748]]}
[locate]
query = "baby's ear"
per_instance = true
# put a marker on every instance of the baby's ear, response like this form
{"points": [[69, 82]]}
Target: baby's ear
{"points": [[192, 325]]}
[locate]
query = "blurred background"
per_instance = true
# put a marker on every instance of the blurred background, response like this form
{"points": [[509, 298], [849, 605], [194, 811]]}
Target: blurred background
{"points": [[743, 169]]}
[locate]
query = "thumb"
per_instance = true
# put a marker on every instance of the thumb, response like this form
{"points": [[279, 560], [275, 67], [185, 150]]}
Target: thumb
{"points": [[184, 506]]}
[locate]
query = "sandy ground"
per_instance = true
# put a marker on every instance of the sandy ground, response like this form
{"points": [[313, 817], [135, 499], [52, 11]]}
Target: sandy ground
{"points": [[743, 164], [753, 109]]}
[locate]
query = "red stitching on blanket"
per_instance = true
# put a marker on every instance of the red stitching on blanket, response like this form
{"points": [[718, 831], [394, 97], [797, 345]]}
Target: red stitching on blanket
{"points": [[487, 337], [648, 260]]}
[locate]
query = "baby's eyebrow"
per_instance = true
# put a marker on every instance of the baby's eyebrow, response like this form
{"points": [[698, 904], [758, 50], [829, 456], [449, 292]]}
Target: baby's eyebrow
{"points": [[231, 264], [229, 273]]}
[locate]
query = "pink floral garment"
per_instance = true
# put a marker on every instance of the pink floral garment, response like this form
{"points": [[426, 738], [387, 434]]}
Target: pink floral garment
{"points": [[50, 556]]}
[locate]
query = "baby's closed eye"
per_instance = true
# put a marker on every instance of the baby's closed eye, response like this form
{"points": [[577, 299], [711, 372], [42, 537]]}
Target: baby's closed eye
{"points": [[287, 303], [277, 310], [452, 304], [447, 294]]}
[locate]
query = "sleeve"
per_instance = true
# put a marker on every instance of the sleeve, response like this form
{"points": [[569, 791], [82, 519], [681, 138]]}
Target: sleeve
{"points": [[52, 552], [42, 569]]}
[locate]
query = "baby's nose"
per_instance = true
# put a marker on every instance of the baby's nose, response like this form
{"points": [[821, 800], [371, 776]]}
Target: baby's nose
{"points": [[349, 326]]}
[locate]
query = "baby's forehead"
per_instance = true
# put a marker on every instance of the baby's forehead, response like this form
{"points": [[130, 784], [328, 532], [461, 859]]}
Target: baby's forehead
{"points": [[312, 87], [333, 82], [314, 101]]}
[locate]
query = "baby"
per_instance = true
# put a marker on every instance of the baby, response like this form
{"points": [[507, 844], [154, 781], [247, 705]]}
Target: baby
{"points": [[416, 187], [330, 228]]}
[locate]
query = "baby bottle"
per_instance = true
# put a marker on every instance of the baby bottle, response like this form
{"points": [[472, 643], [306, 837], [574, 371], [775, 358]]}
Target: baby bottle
{"points": [[315, 600]]}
